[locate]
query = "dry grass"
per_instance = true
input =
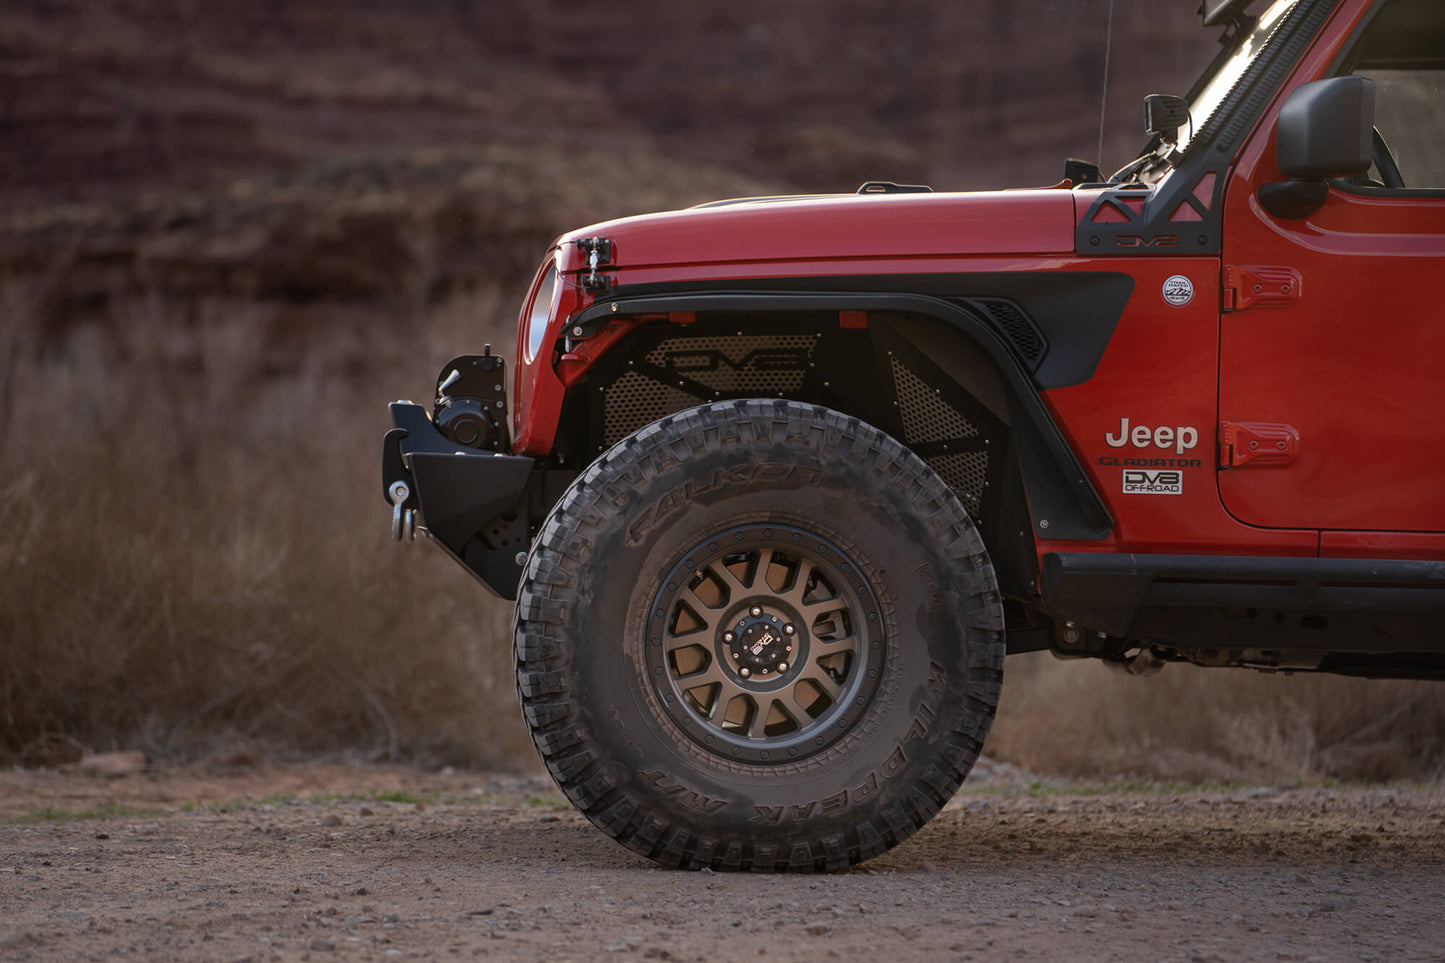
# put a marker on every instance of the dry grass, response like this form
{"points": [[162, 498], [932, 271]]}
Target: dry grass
{"points": [[194, 554], [1188, 724]]}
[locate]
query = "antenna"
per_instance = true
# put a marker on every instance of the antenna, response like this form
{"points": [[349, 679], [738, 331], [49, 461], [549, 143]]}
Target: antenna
{"points": [[1104, 99]]}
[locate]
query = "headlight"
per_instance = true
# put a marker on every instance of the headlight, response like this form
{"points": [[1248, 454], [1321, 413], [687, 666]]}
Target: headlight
{"points": [[538, 316]]}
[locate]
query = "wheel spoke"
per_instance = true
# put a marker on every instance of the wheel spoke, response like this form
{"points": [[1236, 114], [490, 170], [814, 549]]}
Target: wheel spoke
{"points": [[700, 607], [709, 617], [734, 585], [719, 710], [713, 675], [796, 709], [836, 645], [813, 611], [819, 676], [675, 642], [794, 595], [765, 560], [760, 719]]}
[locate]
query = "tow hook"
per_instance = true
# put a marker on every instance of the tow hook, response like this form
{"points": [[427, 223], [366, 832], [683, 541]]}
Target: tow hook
{"points": [[403, 520]]}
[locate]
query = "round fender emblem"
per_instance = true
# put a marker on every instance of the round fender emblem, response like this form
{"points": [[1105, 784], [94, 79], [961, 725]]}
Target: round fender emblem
{"points": [[1178, 291]]}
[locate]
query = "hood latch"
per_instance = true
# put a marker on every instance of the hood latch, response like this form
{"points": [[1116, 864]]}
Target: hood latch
{"points": [[599, 251]]}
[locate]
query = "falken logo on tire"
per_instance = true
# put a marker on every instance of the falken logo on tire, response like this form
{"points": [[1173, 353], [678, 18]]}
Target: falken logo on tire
{"points": [[1178, 290], [1140, 482]]}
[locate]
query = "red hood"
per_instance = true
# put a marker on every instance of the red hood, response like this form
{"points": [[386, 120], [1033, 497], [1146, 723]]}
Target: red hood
{"points": [[842, 226]]}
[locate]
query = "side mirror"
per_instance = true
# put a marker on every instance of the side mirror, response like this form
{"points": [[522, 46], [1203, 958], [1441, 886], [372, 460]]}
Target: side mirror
{"points": [[1323, 131]]}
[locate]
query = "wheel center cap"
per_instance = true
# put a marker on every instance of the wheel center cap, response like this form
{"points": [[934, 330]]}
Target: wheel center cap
{"points": [[762, 645]]}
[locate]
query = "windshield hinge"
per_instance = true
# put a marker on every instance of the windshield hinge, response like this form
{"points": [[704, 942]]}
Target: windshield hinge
{"points": [[1247, 286]]}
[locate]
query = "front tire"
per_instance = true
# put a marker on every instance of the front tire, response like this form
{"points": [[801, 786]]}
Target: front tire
{"points": [[759, 635]]}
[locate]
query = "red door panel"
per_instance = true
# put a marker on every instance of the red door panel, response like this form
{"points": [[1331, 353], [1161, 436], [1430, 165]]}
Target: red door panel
{"points": [[1347, 367], [1354, 361]]}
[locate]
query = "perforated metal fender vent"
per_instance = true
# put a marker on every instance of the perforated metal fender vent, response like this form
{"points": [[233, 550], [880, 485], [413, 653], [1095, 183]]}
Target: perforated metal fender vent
{"points": [[940, 433], [685, 371]]}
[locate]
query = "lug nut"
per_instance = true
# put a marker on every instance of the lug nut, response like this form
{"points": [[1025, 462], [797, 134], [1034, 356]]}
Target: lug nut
{"points": [[789, 629], [744, 672], [728, 636], [755, 611], [782, 667]]}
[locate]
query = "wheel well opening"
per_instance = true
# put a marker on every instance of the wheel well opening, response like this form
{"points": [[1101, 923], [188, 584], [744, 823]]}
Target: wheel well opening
{"points": [[916, 377]]}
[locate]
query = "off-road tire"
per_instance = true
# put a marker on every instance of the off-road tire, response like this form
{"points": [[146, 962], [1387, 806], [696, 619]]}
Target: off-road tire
{"points": [[863, 738]]}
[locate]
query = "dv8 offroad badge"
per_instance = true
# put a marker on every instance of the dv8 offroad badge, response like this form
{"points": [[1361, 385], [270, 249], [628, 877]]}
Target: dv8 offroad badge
{"points": [[1142, 481]]}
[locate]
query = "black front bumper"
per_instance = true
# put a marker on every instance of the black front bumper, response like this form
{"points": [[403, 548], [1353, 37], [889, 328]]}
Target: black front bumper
{"points": [[482, 508]]}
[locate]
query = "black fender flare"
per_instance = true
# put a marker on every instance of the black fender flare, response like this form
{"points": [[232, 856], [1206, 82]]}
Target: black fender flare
{"points": [[1062, 501]]}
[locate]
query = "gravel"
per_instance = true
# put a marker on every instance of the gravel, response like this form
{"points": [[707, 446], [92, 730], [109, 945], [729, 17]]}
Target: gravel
{"points": [[497, 866]]}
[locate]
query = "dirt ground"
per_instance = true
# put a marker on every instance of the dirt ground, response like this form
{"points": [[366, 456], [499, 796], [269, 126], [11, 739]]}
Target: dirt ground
{"points": [[329, 862]]}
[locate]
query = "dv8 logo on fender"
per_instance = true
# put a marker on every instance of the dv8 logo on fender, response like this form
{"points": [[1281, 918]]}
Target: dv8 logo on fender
{"points": [[1143, 482]]}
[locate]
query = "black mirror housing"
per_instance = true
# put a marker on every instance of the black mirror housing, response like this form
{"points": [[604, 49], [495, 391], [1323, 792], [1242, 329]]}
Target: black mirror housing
{"points": [[1324, 129]]}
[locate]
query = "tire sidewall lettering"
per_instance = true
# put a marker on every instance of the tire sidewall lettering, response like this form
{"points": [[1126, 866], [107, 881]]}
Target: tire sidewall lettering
{"points": [[675, 500]]}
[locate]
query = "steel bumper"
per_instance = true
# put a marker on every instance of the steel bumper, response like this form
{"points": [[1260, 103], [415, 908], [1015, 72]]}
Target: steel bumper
{"points": [[450, 491]]}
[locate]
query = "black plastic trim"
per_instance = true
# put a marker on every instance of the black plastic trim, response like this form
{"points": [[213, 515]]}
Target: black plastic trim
{"points": [[1075, 311], [1063, 502], [1293, 199], [1410, 193], [1113, 593], [1392, 665]]}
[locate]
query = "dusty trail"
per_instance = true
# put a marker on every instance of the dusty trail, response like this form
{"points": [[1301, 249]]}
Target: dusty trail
{"points": [[393, 864]]}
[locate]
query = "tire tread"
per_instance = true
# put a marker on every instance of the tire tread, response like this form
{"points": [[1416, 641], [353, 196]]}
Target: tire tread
{"points": [[552, 584]]}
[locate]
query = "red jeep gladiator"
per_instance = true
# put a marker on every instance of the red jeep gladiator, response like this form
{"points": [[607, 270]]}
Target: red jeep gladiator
{"points": [[783, 478]]}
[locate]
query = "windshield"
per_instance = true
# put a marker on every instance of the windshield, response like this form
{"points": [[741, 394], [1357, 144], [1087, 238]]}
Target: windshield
{"points": [[1207, 102]]}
